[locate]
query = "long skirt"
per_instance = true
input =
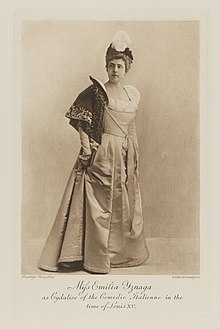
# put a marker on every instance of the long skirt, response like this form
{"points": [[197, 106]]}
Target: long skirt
{"points": [[100, 221]]}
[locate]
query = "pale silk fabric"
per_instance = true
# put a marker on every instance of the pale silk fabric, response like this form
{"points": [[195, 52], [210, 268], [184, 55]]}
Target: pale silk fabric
{"points": [[100, 219]]}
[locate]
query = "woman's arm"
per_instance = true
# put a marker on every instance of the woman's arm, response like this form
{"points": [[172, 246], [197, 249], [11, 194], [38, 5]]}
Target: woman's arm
{"points": [[132, 132], [85, 155], [84, 139]]}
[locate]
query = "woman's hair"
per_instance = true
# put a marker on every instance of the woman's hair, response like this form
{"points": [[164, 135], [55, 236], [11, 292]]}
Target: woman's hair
{"points": [[114, 54], [118, 49]]}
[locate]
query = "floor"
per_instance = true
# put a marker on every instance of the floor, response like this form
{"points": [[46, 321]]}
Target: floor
{"points": [[167, 257]]}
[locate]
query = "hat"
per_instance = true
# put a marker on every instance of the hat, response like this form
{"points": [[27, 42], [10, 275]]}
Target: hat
{"points": [[119, 46]]}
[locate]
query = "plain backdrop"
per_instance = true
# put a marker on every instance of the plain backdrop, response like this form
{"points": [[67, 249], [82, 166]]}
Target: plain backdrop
{"points": [[57, 59]]}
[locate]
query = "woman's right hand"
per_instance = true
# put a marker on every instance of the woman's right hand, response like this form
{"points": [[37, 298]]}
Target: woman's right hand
{"points": [[85, 160]]}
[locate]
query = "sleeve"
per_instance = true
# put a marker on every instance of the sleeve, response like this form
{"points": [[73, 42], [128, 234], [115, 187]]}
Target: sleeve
{"points": [[84, 139], [133, 94]]}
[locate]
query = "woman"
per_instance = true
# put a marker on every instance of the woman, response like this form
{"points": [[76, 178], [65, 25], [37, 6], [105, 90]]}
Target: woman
{"points": [[99, 222]]}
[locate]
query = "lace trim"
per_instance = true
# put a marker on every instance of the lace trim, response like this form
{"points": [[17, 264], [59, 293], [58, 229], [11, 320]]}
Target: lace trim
{"points": [[79, 113]]}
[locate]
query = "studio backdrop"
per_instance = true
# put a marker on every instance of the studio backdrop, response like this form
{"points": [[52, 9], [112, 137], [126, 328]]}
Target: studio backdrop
{"points": [[57, 59]]}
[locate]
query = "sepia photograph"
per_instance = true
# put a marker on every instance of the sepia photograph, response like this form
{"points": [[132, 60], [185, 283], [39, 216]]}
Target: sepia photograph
{"points": [[109, 152], [110, 147]]}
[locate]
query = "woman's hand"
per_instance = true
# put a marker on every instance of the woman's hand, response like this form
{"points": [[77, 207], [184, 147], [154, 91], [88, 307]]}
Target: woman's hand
{"points": [[85, 160]]}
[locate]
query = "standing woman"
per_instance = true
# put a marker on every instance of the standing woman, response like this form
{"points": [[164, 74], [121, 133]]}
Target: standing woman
{"points": [[99, 223]]}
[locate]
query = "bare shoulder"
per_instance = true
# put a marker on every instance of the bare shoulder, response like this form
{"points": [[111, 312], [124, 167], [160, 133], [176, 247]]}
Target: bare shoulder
{"points": [[133, 93]]}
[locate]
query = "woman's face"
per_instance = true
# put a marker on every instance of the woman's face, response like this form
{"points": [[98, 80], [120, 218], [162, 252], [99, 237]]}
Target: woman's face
{"points": [[116, 70]]}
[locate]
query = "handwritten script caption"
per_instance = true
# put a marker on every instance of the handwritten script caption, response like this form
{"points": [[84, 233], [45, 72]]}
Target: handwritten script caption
{"points": [[105, 296]]}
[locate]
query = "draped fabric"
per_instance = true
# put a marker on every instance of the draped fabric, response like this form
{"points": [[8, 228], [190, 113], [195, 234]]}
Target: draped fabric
{"points": [[100, 220], [88, 109]]}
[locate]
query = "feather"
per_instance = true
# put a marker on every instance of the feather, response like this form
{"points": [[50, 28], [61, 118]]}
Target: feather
{"points": [[120, 41]]}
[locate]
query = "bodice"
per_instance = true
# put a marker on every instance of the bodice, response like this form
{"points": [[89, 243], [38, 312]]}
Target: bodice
{"points": [[120, 111]]}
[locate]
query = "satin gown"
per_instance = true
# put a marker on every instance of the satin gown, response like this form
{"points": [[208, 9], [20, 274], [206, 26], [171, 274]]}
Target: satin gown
{"points": [[100, 221]]}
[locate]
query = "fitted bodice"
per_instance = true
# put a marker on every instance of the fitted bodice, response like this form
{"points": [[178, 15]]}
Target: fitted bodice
{"points": [[122, 112]]}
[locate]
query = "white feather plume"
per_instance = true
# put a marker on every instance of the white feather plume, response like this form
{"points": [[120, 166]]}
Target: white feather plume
{"points": [[120, 41]]}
